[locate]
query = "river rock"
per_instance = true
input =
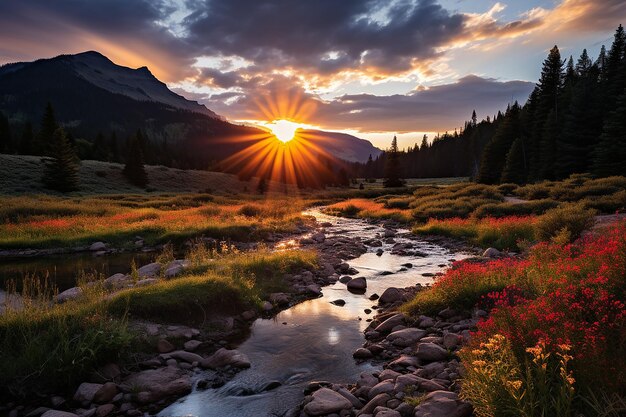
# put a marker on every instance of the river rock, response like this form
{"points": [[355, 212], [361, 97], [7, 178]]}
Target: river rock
{"points": [[314, 289], [279, 298], [339, 302], [149, 271], [69, 295], [380, 399], [185, 356], [390, 323], [85, 392], [146, 282], [391, 295], [406, 337], [58, 413], [97, 246], [318, 237], [106, 393], [104, 410], [452, 340], [173, 271], [164, 346], [224, 357], [443, 404], [192, 345], [117, 281], [357, 284], [431, 352], [405, 361], [345, 278], [362, 353], [156, 384], [381, 387], [491, 253], [326, 401], [386, 412]]}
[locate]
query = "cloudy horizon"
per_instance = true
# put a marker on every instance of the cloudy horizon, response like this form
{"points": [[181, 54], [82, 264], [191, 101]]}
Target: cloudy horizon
{"points": [[371, 68]]}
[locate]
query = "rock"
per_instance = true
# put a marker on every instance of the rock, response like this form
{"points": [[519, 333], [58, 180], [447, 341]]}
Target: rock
{"points": [[381, 387], [388, 374], [380, 399], [248, 315], [431, 352], [185, 356], [117, 281], [389, 233], [224, 357], [192, 345], [267, 306], [357, 284], [164, 346], [390, 323], [326, 401], [85, 392], [318, 237], [314, 289], [391, 295], [452, 340], [374, 297], [97, 246], [173, 271], [426, 322], [387, 413], [69, 295], [406, 337], [57, 413], [345, 278], [492, 253], [151, 270], [279, 298], [106, 393], [407, 265], [404, 361], [37, 412], [104, 410], [443, 404], [339, 302], [447, 313], [379, 252], [145, 282], [157, 384], [362, 353]]}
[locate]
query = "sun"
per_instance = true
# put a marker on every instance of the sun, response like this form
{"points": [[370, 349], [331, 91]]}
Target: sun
{"points": [[284, 130]]}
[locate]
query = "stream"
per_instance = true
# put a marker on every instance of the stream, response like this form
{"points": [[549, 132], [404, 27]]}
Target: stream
{"points": [[314, 340]]}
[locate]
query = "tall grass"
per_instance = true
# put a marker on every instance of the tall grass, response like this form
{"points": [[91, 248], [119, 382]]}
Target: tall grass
{"points": [[44, 221]]}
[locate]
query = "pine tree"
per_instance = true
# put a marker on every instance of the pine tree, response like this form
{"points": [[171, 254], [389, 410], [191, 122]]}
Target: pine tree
{"points": [[615, 81], [26, 141], [610, 153], [46, 132], [6, 142], [494, 155], [515, 166], [134, 170], [392, 166], [61, 171], [262, 186], [115, 153], [99, 150]]}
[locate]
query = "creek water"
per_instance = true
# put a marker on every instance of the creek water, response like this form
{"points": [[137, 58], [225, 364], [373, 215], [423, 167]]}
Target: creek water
{"points": [[314, 340]]}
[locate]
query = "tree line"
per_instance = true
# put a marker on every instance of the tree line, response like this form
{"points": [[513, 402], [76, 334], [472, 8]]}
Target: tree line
{"points": [[573, 122], [62, 153]]}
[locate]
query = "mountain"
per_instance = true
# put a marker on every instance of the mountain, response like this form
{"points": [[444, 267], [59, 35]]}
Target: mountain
{"points": [[90, 94], [342, 145]]}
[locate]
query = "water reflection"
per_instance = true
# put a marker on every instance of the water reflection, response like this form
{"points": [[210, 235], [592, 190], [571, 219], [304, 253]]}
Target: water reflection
{"points": [[318, 339]]}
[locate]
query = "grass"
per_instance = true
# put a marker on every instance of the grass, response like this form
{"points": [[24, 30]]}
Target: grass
{"points": [[371, 209], [46, 347], [21, 174], [46, 221]]}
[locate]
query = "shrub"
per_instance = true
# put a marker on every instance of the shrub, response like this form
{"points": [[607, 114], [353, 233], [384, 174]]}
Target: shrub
{"points": [[249, 210], [573, 217], [510, 209]]}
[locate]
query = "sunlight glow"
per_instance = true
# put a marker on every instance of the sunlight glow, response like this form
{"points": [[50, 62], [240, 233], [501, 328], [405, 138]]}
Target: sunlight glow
{"points": [[284, 130]]}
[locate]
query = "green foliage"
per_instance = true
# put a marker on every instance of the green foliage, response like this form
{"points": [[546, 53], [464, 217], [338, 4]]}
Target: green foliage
{"points": [[574, 218], [134, 170], [61, 172], [514, 170], [392, 166]]}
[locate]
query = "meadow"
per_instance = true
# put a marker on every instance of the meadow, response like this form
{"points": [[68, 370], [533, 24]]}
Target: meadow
{"points": [[48, 347], [49, 222]]}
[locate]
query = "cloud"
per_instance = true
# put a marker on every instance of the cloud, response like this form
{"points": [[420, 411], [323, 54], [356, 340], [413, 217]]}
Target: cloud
{"points": [[436, 108]]}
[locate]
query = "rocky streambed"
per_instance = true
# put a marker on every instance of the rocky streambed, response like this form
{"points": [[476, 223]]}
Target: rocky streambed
{"points": [[343, 351]]}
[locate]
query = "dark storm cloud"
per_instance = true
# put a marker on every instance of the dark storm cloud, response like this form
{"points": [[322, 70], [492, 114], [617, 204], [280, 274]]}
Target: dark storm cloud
{"points": [[330, 34]]}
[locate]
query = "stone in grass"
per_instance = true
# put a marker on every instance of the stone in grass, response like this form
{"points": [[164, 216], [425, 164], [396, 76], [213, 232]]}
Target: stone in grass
{"points": [[97, 246], [326, 401]]}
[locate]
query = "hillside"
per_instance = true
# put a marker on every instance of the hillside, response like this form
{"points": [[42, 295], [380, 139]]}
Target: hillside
{"points": [[22, 175]]}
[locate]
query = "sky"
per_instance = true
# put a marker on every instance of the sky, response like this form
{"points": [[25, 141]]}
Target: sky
{"points": [[373, 68]]}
